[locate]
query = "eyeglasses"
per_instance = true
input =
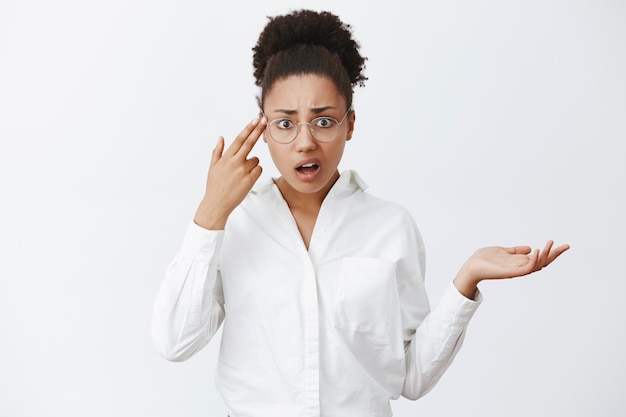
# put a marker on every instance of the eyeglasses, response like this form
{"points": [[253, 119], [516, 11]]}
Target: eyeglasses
{"points": [[323, 129]]}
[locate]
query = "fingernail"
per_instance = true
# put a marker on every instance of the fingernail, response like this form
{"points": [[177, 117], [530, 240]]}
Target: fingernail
{"points": [[255, 121], [264, 120]]}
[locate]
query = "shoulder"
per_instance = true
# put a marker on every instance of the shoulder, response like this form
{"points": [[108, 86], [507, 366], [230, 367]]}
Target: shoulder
{"points": [[390, 211], [385, 227], [352, 185], [383, 220], [388, 218]]}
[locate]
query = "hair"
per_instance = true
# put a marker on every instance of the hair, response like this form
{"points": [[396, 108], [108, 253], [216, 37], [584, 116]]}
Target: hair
{"points": [[308, 42]]}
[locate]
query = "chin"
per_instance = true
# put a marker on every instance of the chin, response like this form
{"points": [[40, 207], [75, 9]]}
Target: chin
{"points": [[308, 187]]}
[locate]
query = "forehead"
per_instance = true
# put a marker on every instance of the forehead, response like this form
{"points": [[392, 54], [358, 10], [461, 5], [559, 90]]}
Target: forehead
{"points": [[303, 92]]}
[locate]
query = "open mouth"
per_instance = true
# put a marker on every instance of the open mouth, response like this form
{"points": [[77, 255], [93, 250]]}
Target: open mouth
{"points": [[308, 168]]}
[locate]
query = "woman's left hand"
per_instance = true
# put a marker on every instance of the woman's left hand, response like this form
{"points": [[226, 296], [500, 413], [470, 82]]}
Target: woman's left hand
{"points": [[496, 262]]}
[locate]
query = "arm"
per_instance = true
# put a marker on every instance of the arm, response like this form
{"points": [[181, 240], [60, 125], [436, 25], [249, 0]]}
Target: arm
{"points": [[189, 307], [439, 337], [432, 338], [436, 341]]}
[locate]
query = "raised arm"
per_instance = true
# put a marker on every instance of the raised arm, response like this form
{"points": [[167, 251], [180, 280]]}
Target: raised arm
{"points": [[189, 307]]}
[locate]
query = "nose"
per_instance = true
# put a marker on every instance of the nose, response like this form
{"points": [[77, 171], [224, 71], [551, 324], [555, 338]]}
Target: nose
{"points": [[304, 139]]}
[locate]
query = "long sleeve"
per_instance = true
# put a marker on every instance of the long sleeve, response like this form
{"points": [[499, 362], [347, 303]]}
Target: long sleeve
{"points": [[437, 341], [189, 307]]}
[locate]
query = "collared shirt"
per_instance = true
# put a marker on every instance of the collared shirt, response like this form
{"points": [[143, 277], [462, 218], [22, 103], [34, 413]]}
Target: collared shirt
{"points": [[339, 329]]}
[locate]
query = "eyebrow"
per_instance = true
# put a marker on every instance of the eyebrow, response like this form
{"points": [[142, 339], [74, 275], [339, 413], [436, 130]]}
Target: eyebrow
{"points": [[316, 110]]}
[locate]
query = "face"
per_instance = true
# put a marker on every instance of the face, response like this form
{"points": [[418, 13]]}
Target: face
{"points": [[308, 168]]}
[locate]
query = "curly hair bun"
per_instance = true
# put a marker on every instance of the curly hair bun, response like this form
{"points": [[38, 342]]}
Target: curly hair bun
{"points": [[307, 27]]}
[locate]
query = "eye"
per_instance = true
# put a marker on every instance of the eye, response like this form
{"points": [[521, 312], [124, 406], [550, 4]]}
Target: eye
{"points": [[283, 123], [324, 122]]}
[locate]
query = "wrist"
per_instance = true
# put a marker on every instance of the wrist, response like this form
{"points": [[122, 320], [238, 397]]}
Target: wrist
{"points": [[210, 218], [466, 284]]}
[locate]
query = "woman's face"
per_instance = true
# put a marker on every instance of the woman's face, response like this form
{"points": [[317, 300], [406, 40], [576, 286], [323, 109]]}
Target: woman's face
{"points": [[306, 165]]}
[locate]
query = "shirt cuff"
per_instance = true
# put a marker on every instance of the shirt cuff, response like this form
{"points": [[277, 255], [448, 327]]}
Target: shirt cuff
{"points": [[201, 244], [458, 308]]}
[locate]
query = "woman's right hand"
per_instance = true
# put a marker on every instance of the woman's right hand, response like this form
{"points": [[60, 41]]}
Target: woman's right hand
{"points": [[231, 176]]}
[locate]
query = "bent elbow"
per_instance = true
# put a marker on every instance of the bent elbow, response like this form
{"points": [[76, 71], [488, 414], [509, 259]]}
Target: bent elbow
{"points": [[173, 352], [173, 355], [416, 392], [168, 350], [177, 348], [169, 347], [418, 384]]}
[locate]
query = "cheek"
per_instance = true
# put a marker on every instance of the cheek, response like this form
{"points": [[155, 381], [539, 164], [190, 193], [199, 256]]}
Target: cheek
{"points": [[337, 152]]}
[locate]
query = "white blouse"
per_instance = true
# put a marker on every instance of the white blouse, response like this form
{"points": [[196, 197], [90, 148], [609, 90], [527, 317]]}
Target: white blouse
{"points": [[339, 329]]}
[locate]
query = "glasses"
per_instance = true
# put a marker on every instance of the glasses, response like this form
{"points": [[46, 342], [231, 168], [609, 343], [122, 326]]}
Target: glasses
{"points": [[323, 129]]}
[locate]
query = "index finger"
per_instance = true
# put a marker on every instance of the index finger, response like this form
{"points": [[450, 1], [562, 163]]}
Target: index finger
{"points": [[555, 253], [246, 134], [252, 137]]}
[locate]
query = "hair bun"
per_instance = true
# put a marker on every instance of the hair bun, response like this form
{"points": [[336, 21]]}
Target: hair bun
{"points": [[309, 28]]}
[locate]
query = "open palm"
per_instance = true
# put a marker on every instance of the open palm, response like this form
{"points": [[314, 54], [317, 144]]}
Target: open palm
{"points": [[495, 262]]}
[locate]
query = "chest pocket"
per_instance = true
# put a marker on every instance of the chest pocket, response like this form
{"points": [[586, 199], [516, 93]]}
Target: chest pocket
{"points": [[367, 297]]}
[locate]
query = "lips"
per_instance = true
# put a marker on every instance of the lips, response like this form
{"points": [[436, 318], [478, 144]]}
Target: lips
{"points": [[307, 169], [309, 164]]}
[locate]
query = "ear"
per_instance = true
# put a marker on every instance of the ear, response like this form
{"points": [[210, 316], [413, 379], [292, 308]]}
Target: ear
{"points": [[351, 119]]}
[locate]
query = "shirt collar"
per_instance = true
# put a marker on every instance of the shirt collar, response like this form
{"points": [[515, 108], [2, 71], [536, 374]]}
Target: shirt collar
{"points": [[347, 183]]}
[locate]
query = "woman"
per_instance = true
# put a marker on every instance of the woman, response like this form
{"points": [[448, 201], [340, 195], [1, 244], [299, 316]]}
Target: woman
{"points": [[318, 284]]}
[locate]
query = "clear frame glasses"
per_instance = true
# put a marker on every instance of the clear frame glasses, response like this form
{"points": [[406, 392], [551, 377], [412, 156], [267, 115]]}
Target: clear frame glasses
{"points": [[323, 129]]}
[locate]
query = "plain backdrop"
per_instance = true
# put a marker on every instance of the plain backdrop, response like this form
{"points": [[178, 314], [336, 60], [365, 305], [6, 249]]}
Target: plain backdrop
{"points": [[493, 122]]}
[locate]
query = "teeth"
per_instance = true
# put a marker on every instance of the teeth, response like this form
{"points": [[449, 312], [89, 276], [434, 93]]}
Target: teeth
{"points": [[308, 165]]}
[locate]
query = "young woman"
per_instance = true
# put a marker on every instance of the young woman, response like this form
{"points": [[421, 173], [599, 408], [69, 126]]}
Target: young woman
{"points": [[319, 285]]}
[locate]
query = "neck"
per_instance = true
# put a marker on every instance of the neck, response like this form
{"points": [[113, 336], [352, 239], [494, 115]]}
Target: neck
{"points": [[297, 200]]}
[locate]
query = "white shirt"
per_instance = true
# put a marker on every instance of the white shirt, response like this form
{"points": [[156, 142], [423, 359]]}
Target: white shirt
{"points": [[339, 329]]}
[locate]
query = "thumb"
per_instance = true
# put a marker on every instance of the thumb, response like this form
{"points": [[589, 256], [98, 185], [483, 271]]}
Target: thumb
{"points": [[519, 250]]}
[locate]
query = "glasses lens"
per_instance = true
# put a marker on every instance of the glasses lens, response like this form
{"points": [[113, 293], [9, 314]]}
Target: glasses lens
{"points": [[324, 129], [283, 130]]}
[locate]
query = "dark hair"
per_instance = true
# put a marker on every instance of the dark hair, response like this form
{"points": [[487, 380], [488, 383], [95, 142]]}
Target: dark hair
{"points": [[308, 42]]}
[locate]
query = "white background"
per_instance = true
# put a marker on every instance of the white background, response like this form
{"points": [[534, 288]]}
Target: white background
{"points": [[494, 122]]}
